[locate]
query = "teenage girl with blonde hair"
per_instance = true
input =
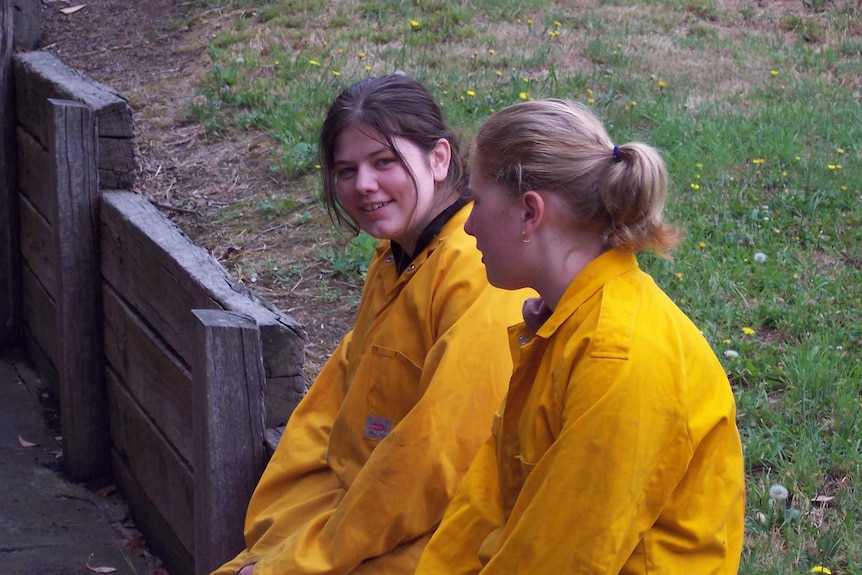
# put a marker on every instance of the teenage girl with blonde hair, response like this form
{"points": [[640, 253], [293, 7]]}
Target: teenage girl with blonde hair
{"points": [[617, 449]]}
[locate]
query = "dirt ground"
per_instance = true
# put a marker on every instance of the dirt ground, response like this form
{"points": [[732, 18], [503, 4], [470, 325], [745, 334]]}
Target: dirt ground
{"points": [[154, 52]]}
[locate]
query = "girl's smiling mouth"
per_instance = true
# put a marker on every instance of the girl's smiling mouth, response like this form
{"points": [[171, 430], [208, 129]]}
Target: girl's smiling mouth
{"points": [[375, 206]]}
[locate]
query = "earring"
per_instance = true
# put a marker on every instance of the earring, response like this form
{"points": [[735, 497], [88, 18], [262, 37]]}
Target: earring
{"points": [[524, 238]]}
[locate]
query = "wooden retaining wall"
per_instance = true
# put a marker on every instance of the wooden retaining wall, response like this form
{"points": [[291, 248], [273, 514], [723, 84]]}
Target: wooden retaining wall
{"points": [[10, 272], [168, 372]]}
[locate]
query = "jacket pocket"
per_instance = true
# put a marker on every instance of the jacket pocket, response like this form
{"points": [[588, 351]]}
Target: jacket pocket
{"points": [[393, 392]]}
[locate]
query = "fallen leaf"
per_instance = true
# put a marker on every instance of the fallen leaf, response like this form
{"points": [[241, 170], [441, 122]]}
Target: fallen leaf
{"points": [[133, 545], [72, 10], [24, 443], [100, 569], [106, 490], [823, 499]]}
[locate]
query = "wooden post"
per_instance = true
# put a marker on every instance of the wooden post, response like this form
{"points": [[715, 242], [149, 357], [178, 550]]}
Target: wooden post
{"points": [[10, 271], [83, 402], [229, 455]]}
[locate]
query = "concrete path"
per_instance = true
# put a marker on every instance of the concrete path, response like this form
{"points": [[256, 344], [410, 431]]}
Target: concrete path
{"points": [[49, 526]]}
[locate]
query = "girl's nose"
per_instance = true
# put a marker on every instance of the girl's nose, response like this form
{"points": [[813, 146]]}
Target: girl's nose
{"points": [[468, 225], [365, 181]]}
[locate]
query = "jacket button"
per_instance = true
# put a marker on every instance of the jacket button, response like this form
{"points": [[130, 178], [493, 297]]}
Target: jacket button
{"points": [[411, 267], [390, 259], [523, 339]]}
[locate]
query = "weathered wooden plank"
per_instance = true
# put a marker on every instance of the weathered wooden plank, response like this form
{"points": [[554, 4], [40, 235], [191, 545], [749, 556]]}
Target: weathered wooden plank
{"points": [[161, 539], [150, 372], [26, 35], [116, 164], [40, 76], [10, 264], [40, 325], [164, 477], [83, 416], [37, 246], [163, 275], [228, 385], [271, 437], [34, 175], [42, 365]]}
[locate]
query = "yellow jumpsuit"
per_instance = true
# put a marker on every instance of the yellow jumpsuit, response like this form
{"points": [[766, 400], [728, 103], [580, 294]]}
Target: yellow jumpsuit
{"points": [[373, 454], [617, 450]]}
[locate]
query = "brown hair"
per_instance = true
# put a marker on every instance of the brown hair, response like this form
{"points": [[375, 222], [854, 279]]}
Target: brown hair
{"points": [[563, 148], [394, 106]]}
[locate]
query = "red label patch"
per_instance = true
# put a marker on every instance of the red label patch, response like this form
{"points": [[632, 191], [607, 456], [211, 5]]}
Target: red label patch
{"points": [[377, 427]]}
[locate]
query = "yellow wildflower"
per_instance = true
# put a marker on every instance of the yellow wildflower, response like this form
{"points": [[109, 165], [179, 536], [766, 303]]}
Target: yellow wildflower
{"points": [[591, 100], [702, 245], [529, 21], [415, 23], [774, 72], [314, 62], [820, 569], [360, 55], [678, 275], [758, 161], [523, 95], [748, 331], [557, 23], [336, 73], [661, 85], [471, 93]]}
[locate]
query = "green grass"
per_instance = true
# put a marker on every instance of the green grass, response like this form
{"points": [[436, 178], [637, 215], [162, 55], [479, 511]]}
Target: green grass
{"points": [[758, 114]]}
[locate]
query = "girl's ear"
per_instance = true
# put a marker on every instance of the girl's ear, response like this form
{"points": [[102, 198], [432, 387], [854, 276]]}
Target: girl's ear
{"points": [[440, 157], [534, 206]]}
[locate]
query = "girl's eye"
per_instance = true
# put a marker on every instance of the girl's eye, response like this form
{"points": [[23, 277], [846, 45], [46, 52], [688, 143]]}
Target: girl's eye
{"points": [[344, 173], [383, 162]]}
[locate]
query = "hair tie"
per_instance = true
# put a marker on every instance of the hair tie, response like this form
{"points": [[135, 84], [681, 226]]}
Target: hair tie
{"points": [[617, 157]]}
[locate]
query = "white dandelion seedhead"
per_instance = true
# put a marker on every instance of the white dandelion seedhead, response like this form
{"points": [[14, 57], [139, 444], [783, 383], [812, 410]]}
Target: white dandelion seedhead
{"points": [[778, 492], [760, 257], [731, 354]]}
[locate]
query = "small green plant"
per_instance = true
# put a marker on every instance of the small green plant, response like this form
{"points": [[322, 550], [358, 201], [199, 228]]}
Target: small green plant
{"points": [[350, 261]]}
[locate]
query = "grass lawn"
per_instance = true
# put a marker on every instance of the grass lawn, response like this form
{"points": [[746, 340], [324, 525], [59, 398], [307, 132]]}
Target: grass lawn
{"points": [[757, 109]]}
